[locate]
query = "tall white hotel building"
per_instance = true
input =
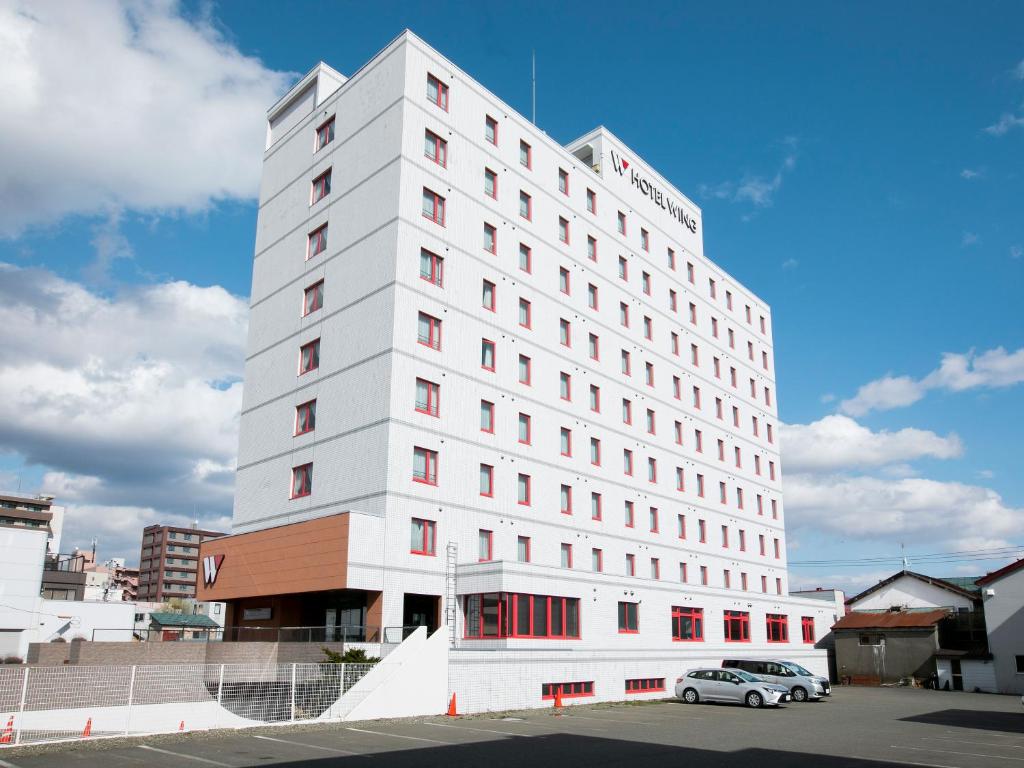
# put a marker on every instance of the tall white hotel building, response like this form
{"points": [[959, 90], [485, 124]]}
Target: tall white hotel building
{"points": [[494, 386]]}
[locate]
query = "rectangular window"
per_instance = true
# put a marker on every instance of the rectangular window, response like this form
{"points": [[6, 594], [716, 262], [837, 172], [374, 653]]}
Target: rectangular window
{"points": [[704, 575], [591, 248], [490, 183], [305, 417], [431, 267], [324, 135], [302, 481], [726, 578], [524, 369], [523, 490], [648, 328], [525, 154], [563, 181], [563, 230], [524, 313], [595, 398], [689, 272], [645, 239], [525, 205], [682, 573], [486, 417], [523, 549], [625, 363], [592, 296], [524, 429], [316, 242], [628, 512], [428, 397], [596, 560], [595, 506], [629, 617], [563, 280], [486, 480], [594, 347], [423, 537], [485, 546], [725, 536], [429, 331], [487, 354], [681, 526], [433, 206], [623, 268], [435, 148], [775, 545], [743, 540], [652, 469], [525, 258], [567, 690], [321, 187], [671, 259], [591, 201], [807, 629], [621, 222], [487, 300], [490, 238], [564, 332], [309, 357], [437, 92], [687, 624], [491, 130], [565, 441], [508, 614], [627, 411], [566, 553], [737, 626], [778, 628], [313, 298], [627, 461], [652, 515], [651, 421], [424, 466], [702, 531], [595, 451], [624, 314], [565, 386], [693, 313]]}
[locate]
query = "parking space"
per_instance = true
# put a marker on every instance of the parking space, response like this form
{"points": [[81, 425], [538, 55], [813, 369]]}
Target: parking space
{"points": [[855, 728]]}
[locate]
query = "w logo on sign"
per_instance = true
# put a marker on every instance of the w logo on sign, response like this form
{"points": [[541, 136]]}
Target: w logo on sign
{"points": [[211, 565]]}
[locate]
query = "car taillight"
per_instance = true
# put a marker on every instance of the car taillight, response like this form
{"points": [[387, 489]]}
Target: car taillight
{"points": [[679, 679]]}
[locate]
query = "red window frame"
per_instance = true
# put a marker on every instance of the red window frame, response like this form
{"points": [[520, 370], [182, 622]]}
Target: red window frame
{"points": [[702, 531], [652, 519], [681, 526], [696, 617], [565, 434], [487, 344], [436, 274], [305, 417], [524, 197], [563, 230], [316, 291], [309, 357], [563, 181], [429, 544], [528, 440], [594, 346], [566, 549], [525, 502], [324, 134], [736, 626], [483, 295], [524, 304], [630, 564], [488, 536], [595, 451], [807, 629], [566, 379], [528, 154], [564, 332], [629, 510], [432, 406], [523, 540], [492, 231], [621, 223], [491, 176], [595, 506], [440, 155], [433, 339], [316, 242], [597, 559], [429, 466], [321, 187], [525, 250], [645, 239], [777, 627], [627, 462], [491, 126], [302, 481], [509, 615], [655, 568], [487, 407], [438, 206], [487, 470], [591, 247], [591, 201], [629, 617], [645, 685], [441, 99], [568, 690]]}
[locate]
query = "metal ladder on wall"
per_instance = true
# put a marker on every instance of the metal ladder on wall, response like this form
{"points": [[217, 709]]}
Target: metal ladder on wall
{"points": [[451, 554]]}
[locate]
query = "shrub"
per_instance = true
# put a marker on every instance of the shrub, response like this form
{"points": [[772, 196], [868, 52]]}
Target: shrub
{"points": [[13, 660], [350, 656]]}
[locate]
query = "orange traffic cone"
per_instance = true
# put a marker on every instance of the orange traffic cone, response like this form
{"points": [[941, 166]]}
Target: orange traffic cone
{"points": [[181, 726], [8, 733], [87, 731], [558, 697], [451, 708]]}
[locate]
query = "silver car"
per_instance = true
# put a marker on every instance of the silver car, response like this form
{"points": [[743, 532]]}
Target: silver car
{"points": [[730, 685], [802, 684]]}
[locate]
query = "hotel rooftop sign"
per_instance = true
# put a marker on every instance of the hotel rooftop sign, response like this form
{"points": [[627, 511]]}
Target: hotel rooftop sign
{"points": [[649, 189]]}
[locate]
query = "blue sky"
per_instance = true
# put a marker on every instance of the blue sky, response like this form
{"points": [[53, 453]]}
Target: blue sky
{"points": [[858, 166]]}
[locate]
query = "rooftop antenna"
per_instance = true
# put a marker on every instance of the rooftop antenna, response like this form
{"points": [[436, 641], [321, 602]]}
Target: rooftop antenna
{"points": [[903, 554], [533, 57]]}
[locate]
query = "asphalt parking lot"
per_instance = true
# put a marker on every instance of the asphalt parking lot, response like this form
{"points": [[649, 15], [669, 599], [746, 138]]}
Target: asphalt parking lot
{"points": [[855, 728]]}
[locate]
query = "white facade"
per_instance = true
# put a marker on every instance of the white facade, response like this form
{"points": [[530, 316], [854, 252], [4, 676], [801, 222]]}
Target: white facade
{"points": [[22, 551], [910, 592], [706, 338], [1003, 593]]}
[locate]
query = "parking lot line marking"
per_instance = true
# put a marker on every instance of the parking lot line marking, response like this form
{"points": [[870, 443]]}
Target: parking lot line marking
{"points": [[400, 736], [903, 762], [478, 730], [966, 741], [187, 757], [951, 752], [607, 720], [312, 746]]}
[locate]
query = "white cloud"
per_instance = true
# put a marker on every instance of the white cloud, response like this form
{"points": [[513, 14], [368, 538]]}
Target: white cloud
{"points": [[126, 415], [968, 173], [969, 239], [759, 190], [838, 442], [124, 104], [993, 368], [1004, 124], [790, 264]]}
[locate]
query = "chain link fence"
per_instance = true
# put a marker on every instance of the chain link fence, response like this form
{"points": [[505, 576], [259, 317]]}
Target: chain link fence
{"points": [[42, 704]]}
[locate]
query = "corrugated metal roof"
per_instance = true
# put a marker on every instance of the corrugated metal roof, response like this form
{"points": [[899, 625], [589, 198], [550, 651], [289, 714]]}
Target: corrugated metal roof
{"points": [[183, 620], [890, 619]]}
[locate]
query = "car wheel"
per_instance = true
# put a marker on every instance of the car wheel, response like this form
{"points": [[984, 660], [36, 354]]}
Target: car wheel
{"points": [[799, 694], [754, 699], [690, 696]]}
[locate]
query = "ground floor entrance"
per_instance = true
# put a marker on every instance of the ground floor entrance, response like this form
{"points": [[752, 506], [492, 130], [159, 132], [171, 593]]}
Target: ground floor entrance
{"points": [[420, 611]]}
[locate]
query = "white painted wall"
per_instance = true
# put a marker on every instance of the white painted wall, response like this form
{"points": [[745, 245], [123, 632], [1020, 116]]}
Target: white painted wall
{"points": [[22, 551], [908, 592], [75, 618], [1004, 622]]}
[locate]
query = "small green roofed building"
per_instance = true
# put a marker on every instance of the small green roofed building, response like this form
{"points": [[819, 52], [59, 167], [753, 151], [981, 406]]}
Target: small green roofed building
{"points": [[182, 626]]}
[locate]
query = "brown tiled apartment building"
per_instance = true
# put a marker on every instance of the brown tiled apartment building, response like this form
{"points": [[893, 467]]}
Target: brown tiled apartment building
{"points": [[169, 561]]}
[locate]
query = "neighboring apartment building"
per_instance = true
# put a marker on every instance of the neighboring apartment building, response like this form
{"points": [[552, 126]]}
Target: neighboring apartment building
{"points": [[168, 561], [494, 384], [1003, 595]]}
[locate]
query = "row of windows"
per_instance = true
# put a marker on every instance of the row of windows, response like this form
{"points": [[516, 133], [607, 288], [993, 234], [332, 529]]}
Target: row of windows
{"points": [[436, 150]]}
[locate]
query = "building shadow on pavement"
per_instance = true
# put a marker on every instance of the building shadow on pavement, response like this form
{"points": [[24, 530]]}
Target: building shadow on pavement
{"points": [[1007, 722]]}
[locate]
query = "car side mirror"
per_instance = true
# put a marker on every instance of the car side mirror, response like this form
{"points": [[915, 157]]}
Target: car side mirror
{"points": [[736, 682]]}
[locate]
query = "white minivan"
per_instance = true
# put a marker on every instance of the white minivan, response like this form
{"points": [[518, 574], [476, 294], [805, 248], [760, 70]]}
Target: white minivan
{"points": [[803, 685]]}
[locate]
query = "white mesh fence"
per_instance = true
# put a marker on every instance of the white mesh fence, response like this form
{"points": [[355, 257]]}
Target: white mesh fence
{"points": [[39, 704]]}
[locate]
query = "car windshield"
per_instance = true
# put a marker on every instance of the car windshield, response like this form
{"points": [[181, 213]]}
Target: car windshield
{"points": [[746, 676], [797, 668]]}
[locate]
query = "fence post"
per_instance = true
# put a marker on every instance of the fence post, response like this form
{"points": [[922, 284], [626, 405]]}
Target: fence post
{"points": [[293, 692], [131, 698], [21, 706], [220, 685]]}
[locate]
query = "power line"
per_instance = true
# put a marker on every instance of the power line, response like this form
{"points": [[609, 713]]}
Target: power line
{"points": [[934, 558]]}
